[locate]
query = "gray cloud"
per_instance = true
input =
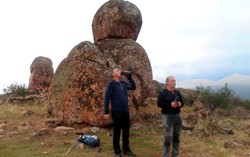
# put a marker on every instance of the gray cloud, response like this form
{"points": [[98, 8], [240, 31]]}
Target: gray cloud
{"points": [[213, 43]]}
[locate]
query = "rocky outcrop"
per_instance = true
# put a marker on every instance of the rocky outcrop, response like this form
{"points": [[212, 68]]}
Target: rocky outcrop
{"points": [[29, 97], [189, 123], [41, 73], [117, 19], [129, 55], [200, 110], [198, 113], [76, 94], [77, 89]]}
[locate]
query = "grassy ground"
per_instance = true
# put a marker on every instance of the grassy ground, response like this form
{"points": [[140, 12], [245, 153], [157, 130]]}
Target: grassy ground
{"points": [[18, 139]]}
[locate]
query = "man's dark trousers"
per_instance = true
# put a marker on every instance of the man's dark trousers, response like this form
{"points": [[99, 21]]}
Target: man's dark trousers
{"points": [[121, 121]]}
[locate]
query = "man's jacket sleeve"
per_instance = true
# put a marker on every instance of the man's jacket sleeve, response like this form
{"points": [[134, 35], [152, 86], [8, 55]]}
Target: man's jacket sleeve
{"points": [[131, 85], [181, 99], [107, 98], [160, 102]]}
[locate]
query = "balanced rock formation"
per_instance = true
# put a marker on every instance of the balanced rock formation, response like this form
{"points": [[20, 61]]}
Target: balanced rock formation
{"points": [[117, 19], [78, 86], [77, 90], [41, 73]]}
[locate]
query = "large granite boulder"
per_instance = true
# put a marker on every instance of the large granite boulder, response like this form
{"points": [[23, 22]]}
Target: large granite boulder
{"points": [[131, 56], [41, 73], [77, 89], [117, 19]]}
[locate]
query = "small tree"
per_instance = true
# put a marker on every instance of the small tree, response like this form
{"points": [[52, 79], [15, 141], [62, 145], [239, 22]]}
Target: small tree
{"points": [[215, 99]]}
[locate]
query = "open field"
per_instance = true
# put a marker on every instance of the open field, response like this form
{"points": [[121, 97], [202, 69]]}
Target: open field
{"points": [[19, 137]]}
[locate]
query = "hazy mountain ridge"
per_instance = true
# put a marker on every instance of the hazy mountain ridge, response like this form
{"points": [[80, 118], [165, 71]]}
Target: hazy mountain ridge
{"points": [[238, 82]]}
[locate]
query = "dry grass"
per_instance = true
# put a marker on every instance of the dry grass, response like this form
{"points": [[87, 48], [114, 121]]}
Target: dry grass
{"points": [[145, 141]]}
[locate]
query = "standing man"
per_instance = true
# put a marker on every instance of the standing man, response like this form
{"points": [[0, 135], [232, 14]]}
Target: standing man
{"points": [[170, 100], [116, 91]]}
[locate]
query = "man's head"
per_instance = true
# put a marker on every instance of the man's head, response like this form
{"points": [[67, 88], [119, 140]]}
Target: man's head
{"points": [[116, 74], [170, 82]]}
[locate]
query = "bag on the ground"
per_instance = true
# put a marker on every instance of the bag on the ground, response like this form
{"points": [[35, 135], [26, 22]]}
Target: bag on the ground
{"points": [[90, 140]]}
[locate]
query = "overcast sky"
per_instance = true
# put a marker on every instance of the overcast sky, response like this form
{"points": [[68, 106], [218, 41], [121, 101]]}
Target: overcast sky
{"points": [[189, 39]]}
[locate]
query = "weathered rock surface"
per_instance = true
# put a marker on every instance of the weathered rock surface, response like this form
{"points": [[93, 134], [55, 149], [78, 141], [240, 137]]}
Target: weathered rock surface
{"points": [[63, 128], [199, 113], [229, 144], [77, 89], [27, 112], [117, 19], [2, 125], [129, 55], [41, 132], [41, 73], [227, 131]]}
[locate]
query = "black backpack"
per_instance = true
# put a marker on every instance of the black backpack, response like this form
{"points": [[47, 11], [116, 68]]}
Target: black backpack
{"points": [[90, 140]]}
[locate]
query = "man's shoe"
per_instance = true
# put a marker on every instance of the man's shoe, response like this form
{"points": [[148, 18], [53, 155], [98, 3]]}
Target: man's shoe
{"points": [[117, 155], [129, 153]]}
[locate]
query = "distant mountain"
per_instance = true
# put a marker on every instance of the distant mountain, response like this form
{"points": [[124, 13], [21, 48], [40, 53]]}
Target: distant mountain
{"points": [[236, 79], [239, 83]]}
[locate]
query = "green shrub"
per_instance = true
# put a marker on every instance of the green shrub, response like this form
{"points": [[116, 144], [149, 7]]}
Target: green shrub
{"points": [[214, 99], [187, 95], [246, 104], [17, 89]]}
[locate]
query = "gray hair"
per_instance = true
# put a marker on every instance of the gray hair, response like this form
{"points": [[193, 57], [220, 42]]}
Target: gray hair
{"points": [[168, 78]]}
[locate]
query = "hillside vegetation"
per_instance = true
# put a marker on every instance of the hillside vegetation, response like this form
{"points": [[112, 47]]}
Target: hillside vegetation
{"points": [[25, 131]]}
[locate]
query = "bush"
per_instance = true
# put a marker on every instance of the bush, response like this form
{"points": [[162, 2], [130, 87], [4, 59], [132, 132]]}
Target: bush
{"points": [[246, 104], [215, 99], [187, 96], [17, 89]]}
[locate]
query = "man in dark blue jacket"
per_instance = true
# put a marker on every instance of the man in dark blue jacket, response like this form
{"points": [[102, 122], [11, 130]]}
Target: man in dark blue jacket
{"points": [[116, 92], [170, 101]]}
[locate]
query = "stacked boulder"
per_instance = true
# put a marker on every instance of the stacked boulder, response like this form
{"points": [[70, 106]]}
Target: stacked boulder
{"points": [[77, 90], [117, 19], [41, 73]]}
